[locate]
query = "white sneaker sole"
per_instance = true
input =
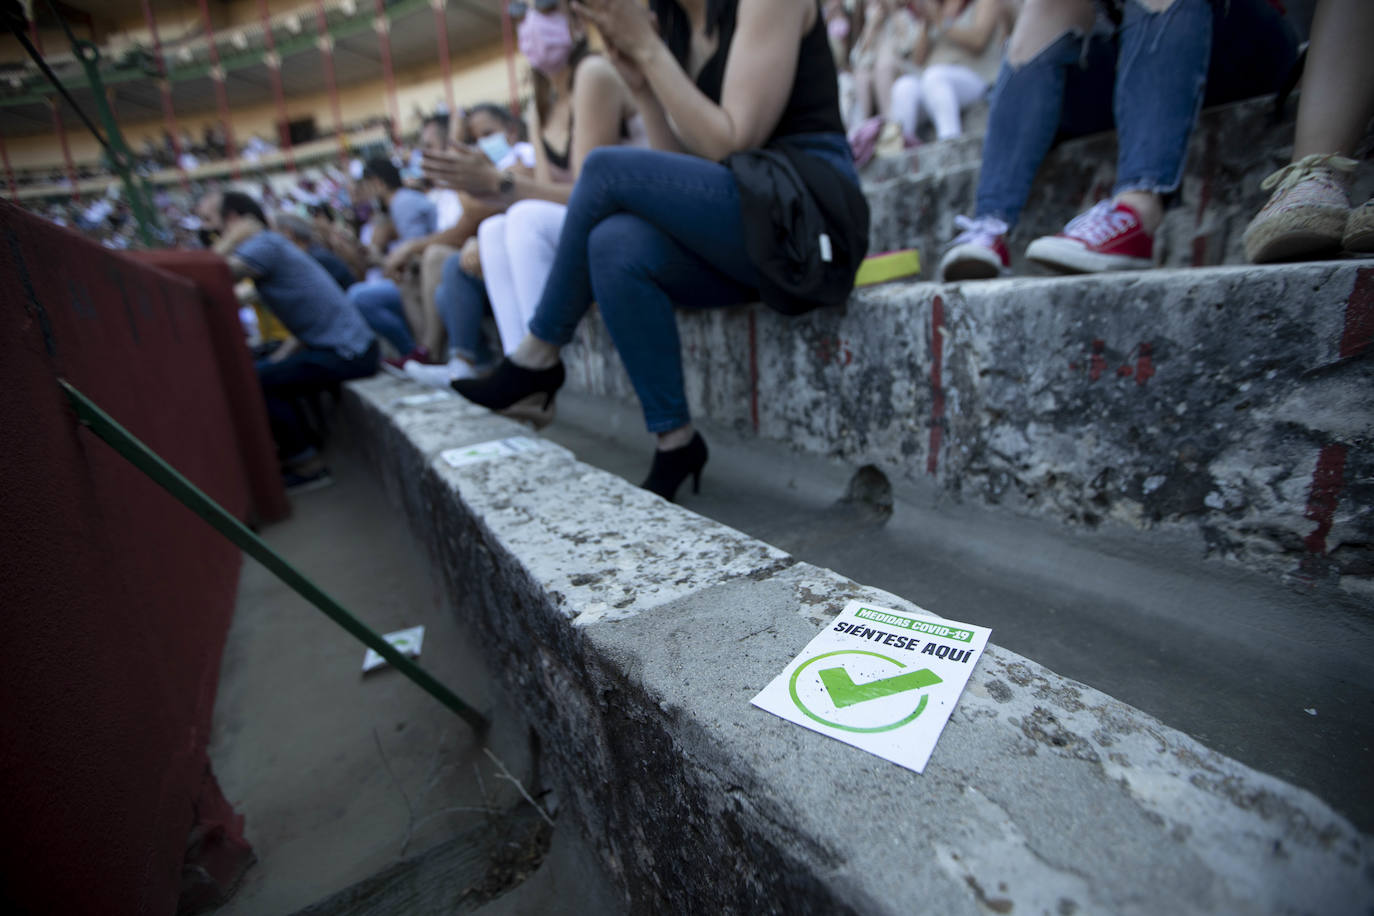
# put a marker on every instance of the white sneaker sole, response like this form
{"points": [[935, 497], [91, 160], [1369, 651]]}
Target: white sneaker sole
{"points": [[429, 376], [1066, 255], [970, 262]]}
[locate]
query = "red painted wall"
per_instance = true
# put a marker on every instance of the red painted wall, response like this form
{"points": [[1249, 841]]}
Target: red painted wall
{"points": [[116, 600]]}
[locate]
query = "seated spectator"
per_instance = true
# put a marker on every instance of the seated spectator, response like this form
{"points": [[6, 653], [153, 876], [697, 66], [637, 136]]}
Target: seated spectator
{"points": [[458, 294], [880, 56], [413, 217], [189, 145], [581, 103], [1309, 214], [214, 142], [340, 240], [256, 148], [496, 132], [299, 231], [457, 218], [1070, 71], [958, 52], [330, 342], [689, 223]]}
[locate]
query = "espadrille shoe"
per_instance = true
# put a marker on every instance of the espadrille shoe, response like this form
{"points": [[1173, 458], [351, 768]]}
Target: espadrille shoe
{"points": [[1359, 228], [1306, 215]]}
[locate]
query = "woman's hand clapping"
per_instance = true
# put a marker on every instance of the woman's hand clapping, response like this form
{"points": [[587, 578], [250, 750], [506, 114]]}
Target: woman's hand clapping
{"points": [[462, 168], [627, 28]]}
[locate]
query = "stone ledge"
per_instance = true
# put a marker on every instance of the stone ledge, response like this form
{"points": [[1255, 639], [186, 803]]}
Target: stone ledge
{"points": [[1043, 795], [1209, 401]]}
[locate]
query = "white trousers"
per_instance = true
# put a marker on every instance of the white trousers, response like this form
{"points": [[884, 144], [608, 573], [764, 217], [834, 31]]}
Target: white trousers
{"points": [[517, 249], [939, 92]]}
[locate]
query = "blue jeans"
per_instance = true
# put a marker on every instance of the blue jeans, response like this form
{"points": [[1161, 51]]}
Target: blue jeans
{"points": [[646, 231], [461, 300], [380, 303], [1151, 76], [304, 373]]}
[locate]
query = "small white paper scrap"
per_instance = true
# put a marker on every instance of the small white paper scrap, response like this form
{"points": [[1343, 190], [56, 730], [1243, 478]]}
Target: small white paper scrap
{"points": [[429, 397], [486, 451], [407, 642], [882, 680]]}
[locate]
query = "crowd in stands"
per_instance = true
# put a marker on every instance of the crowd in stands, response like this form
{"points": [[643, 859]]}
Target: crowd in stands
{"points": [[186, 153], [670, 170]]}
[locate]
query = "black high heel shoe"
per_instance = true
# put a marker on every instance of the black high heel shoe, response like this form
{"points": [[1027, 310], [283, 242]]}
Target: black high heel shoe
{"points": [[525, 394], [672, 467]]}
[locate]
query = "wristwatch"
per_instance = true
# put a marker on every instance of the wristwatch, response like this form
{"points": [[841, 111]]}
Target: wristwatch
{"points": [[507, 182]]}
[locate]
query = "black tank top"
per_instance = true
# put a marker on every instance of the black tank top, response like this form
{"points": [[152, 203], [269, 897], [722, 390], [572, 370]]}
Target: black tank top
{"points": [[814, 105]]}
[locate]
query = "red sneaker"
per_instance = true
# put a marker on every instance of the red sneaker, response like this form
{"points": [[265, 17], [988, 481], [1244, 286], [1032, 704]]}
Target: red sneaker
{"points": [[419, 354], [1105, 238]]}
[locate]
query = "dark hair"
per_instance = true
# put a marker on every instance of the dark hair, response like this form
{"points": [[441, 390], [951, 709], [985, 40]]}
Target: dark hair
{"points": [[240, 204], [382, 169], [322, 209], [500, 112], [676, 29], [439, 120]]}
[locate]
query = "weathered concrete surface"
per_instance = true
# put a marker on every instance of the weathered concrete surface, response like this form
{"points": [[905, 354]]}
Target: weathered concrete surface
{"points": [[1043, 794], [1140, 615], [914, 198], [1232, 403]]}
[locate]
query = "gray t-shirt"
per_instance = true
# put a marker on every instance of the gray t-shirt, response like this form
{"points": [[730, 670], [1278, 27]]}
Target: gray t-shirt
{"points": [[413, 214], [302, 294]]}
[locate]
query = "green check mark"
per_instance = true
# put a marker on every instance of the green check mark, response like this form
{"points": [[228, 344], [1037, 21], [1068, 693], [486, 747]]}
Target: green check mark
{"points": [[844, 692]]}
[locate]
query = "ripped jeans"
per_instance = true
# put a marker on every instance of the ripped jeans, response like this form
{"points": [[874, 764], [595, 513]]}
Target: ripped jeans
{"points": [[1148, 77]]}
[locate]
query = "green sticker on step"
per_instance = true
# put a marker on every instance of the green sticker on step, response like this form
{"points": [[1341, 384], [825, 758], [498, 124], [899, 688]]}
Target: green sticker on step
{"points": [[882, 680]]}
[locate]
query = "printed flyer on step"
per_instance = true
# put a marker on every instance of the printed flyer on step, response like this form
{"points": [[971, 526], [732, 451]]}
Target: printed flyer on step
{"points": [[882, 680]]}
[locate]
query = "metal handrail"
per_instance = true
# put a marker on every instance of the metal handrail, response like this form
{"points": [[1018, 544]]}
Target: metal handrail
{"points": [[156, 468]]}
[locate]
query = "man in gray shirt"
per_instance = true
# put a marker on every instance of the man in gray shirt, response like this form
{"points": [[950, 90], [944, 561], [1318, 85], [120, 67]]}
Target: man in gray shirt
{"points": [[412, 213], [414, 216], [330, 341]]}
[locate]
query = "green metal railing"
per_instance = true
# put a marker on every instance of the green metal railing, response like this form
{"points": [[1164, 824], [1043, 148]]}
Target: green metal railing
{"points": [[183, 491]]}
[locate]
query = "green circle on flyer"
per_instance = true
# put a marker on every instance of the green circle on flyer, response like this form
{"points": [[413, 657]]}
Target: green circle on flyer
{"points": [[796, 698]]}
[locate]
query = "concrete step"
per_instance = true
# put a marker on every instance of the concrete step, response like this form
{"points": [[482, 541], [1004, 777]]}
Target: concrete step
{"points": [[1139, 617], [1226, 405], [634, 632], [915, 197]]}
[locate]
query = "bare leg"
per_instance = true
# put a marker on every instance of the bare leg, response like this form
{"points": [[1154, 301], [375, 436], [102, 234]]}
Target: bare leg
{"points": [[675, 438], [533, 353], [1147, 204], [885, 73], [863, 95], [1042, 22], [431, 332], [410, 301], [1338, 83]]}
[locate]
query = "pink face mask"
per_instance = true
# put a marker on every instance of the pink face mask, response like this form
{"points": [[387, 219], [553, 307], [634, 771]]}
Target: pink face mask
{"points": [[545, 40]]}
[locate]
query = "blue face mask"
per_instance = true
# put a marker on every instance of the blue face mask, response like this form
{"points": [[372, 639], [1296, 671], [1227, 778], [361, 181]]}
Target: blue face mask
{"points": [[495, 146]]}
